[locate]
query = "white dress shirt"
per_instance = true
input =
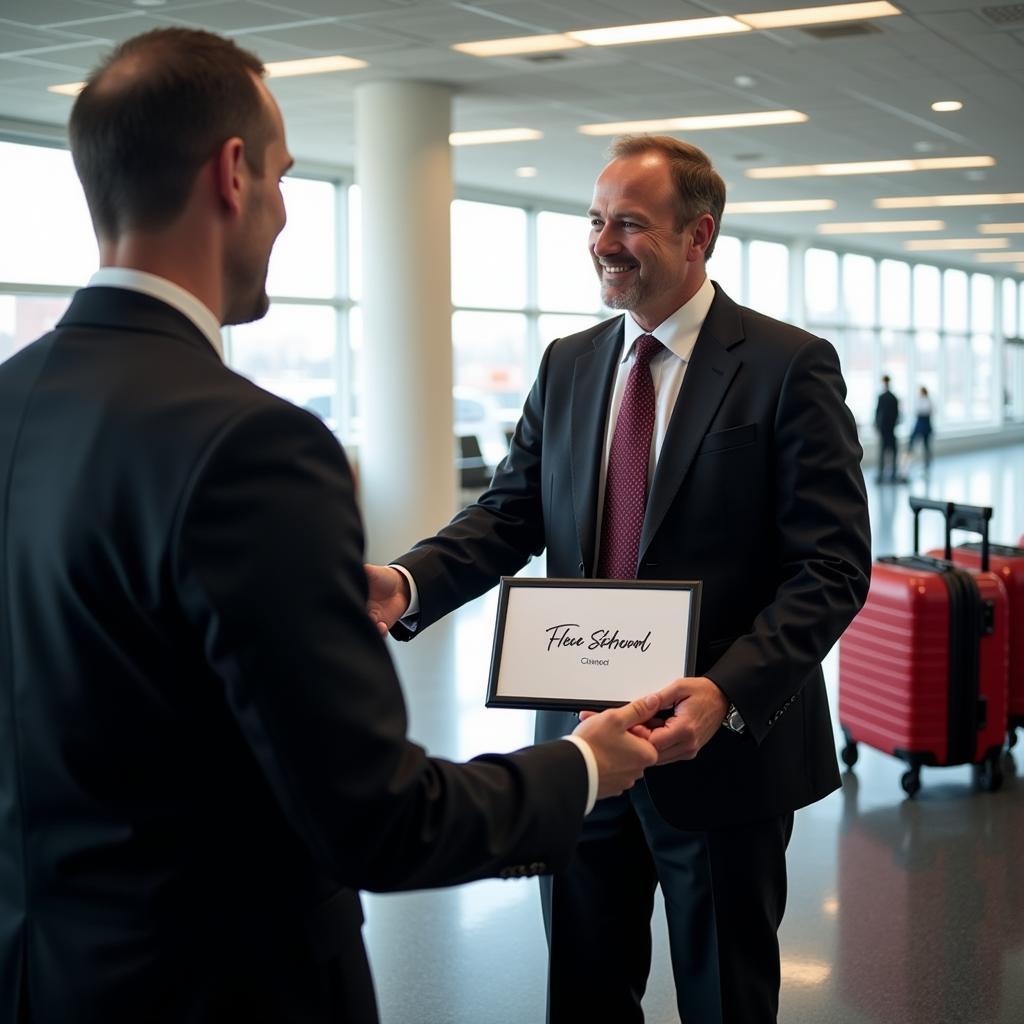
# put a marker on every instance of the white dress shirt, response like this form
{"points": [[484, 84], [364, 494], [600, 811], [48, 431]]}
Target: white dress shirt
{"points": [[166, 291]]}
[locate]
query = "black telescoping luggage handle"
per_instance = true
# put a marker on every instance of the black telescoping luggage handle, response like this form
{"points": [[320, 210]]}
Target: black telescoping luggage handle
{"points": [[973, 518]]}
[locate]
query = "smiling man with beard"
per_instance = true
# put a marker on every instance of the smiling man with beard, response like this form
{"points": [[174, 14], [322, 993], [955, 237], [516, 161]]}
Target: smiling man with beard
{"points": [[689, 439]]}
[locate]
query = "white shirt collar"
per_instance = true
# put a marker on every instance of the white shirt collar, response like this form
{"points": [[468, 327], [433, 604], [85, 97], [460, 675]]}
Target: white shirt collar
{"points": [[166, 291], [678, 333]]}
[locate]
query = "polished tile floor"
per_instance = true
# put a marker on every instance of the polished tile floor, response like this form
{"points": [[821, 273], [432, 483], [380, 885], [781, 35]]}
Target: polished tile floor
{"points": [[900, 911]]}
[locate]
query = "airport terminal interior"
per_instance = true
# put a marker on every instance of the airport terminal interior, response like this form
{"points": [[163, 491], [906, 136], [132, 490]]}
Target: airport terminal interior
{"points": [[437, 242]]}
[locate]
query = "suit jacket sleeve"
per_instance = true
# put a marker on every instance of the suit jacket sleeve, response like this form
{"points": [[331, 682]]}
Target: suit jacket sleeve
{"points": [[267, 563], [821, 526]]}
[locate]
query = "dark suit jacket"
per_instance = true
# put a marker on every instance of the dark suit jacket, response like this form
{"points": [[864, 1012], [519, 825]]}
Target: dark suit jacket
{"points": [[202, 737], [758, 492]]}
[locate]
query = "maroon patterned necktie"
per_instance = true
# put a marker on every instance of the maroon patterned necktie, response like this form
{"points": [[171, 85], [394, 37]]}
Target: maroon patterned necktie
{"points": [[625, 494]]}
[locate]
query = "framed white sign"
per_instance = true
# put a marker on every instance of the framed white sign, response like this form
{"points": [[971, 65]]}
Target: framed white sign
{"points": [[571, 644]]}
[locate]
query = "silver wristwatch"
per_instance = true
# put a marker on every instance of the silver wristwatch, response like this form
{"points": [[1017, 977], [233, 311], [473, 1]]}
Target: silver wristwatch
{"points": [[733, 720]]}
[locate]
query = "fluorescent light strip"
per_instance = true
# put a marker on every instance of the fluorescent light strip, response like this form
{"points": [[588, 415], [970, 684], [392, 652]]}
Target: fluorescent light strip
{"points": [[491, 135], [1001, 229], [955, 244], [999, 257], [781, 206], [689, 28], [946, 106], [68, 89], [818, 15], [313, 66], [924, 202], [939, 163], [706, 122], [656, 31], [881, 227], [276, 69], [518, 44]]}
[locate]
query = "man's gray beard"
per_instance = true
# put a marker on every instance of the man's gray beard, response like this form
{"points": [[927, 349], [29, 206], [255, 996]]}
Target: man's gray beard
{"points": [[622, 300]]}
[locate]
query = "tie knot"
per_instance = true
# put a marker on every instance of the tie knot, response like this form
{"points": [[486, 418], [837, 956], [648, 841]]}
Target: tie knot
{"points": [[647, 347]]}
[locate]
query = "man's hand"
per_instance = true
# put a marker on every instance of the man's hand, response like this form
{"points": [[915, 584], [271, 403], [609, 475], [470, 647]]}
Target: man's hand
{"points": [[699, 708], [389, 596], [621, 755]]}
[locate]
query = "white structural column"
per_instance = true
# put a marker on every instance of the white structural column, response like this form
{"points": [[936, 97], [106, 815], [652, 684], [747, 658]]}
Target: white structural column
{"points": [[404, 170]]}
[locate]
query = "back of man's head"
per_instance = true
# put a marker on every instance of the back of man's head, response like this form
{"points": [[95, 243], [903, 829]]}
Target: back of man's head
{"points": [[699, 188], [152, 114]]}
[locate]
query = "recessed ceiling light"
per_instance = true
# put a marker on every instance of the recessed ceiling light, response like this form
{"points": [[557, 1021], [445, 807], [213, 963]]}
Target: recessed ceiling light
{"points": [[707, 122], [937, 163], [818, 15], [526, 172], [881, 227], [999, 257], [1001, 229], [744, 81], [149, 3], [517, 44], [312, 66], [67, 89], [945, 106], [923, 147], [489, 135], [976, 199], [955, 244], [781, 206]]}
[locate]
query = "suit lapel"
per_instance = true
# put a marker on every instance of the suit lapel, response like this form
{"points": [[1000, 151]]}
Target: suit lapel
{"points": [[591, 391], [708, 376]]}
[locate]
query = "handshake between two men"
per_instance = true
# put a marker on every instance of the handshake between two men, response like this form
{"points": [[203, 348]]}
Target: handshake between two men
{"points": [[626, 740]]}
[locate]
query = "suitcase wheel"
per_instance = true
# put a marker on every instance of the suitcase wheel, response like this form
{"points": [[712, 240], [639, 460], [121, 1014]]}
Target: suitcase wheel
{"points": [[910, 780], [1011, 737], [849, 754], [988, 776]]}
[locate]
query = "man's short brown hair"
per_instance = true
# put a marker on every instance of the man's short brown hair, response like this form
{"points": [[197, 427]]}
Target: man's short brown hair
{"points": [[699, 187], [152, 114]]}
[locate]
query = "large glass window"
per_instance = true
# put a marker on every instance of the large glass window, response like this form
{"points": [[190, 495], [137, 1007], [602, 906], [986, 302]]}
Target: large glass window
{"points": [[489, 255], [46, 231], [726, 266], [821, 286], [927, 297], [859, 289], [894, 293], [768, 291], [954, 306], [1009, 304], [304, 260], [566, 279]]}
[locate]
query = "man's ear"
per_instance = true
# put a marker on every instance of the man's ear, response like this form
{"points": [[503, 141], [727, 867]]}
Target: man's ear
{"points": [[230, 172], [703, 232]]}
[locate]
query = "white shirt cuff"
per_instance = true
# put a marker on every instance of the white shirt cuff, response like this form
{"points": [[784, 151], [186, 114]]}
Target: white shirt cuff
{"points": [[414, 597], [591, 762]]}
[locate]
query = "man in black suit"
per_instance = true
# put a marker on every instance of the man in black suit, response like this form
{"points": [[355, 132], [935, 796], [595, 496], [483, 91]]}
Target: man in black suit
{"points": [[754, 487], [887, 416], [203, 748]]}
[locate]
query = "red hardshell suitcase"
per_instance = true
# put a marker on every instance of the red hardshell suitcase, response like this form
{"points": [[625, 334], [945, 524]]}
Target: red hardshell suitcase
{"points": [[1007, 563], [923, 666]]}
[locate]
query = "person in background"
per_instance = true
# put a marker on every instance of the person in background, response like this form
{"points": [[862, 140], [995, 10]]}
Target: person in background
{"points": [[203, 749], [887, 416], [688, 438], [923, 410]]}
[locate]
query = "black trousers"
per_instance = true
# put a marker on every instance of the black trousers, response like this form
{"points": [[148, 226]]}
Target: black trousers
{"points": [[725, 894]]}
